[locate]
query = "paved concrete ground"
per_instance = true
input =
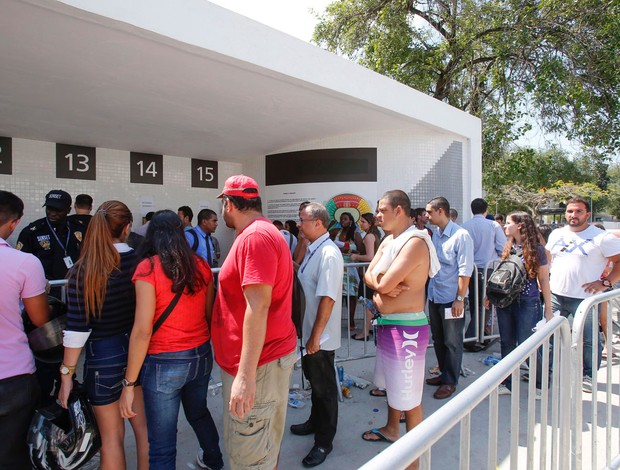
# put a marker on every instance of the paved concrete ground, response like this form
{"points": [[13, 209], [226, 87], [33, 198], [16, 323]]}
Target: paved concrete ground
{"points": [[362, 412]]}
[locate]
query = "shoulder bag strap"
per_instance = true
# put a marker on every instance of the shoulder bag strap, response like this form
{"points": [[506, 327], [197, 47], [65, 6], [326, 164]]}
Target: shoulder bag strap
{"points": [[167, 312]]}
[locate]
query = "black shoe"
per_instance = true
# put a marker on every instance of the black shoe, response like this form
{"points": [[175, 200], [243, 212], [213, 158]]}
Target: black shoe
{"points": [[473, 347], [316, 456], [303, 429]]}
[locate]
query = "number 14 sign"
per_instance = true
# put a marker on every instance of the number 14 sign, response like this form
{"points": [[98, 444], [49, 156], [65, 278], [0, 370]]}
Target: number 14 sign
{"points": [[146, 168]]}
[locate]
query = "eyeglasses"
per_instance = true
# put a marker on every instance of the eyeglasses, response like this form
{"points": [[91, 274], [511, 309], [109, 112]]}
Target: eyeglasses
{"points": [[301, 221]]}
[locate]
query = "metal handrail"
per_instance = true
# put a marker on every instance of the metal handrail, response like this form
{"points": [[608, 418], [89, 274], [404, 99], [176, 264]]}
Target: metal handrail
{"points": [[418, 442], [585, 308]]}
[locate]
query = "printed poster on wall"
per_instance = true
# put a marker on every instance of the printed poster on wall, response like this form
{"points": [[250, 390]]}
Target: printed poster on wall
{"points": [[281, 202]]}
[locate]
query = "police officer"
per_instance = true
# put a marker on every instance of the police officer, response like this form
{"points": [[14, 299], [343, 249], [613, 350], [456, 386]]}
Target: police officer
{"points": [[54, 239]]}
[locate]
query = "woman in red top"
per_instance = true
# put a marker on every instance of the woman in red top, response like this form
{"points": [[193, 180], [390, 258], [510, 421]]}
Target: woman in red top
{"points": [[176, 360]]}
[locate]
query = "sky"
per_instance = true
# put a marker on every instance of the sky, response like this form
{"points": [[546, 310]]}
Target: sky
{"points": [[290, 16]]}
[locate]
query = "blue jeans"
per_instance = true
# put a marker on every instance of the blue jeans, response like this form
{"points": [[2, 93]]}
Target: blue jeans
{"points": [[448, 341], [20, 396], [568, 306], [169, 379], [104, 368], [516, 323]]}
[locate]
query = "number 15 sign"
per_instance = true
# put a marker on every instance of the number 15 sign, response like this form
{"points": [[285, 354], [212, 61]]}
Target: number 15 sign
{"points": [[146, 168]]}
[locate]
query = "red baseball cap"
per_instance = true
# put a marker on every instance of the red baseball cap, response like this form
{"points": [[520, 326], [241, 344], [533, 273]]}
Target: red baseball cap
{"points": [[242, 186]]}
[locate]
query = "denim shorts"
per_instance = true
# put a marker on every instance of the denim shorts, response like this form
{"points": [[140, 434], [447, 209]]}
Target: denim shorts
{"points": [[104, 368]]}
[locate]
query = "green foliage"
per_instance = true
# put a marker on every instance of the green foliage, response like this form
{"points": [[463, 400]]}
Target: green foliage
{"points": [[613, 202], [555, 61], [529, 179]]}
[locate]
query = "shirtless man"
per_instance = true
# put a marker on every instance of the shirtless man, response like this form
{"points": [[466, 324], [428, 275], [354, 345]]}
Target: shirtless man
{"points": [[398, 278]]}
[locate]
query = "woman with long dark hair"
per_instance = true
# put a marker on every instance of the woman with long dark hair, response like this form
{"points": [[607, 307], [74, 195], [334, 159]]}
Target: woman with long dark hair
{"points": [[174, 290], [516, 322], [370, 245], [101, 305], [348, 240]]}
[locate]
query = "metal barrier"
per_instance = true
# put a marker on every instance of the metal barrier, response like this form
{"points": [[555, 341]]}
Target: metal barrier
{"points": [[585, 313], [347, 315], [480, 335], [418, 442], [566, 403]]}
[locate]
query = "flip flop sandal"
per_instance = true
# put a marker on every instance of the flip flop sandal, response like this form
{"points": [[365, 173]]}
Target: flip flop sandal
{"points": [[379, 436], [377, 392]]}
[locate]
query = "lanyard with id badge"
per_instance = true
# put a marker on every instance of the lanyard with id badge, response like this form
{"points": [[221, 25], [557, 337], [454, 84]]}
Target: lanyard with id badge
{"points": [[67, 259]]}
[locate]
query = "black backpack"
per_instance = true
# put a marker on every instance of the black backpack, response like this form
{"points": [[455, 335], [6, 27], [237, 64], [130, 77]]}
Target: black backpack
{"points": [[195, 235], [507, 280], [299, 304]]}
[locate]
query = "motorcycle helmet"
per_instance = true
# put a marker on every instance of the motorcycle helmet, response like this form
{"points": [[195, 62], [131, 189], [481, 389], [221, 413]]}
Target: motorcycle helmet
{"points": [[60, 439], [46, 340]]}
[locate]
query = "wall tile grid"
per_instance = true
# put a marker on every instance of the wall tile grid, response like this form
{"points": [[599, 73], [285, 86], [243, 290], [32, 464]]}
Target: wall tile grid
{"points": [[424, 166], [34, 174]]}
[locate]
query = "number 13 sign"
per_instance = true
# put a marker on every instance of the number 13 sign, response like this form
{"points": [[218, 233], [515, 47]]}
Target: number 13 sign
{"points": [[76, 162], [146, 168]]}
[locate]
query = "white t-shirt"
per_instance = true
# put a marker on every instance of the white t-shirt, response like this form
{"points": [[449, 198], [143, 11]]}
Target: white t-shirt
{"points": [[320, 275], [579, 258]]}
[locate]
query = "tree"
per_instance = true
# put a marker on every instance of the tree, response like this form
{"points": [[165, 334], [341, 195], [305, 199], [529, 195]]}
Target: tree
{"points": [[519, 196], [613, 202], [554, 60]]}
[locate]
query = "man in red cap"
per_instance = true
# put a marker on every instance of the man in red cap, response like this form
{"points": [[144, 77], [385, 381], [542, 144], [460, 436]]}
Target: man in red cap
{"points": [[252, 331]]}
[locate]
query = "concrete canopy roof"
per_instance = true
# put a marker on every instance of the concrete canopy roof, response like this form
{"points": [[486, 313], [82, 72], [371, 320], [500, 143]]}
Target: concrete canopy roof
{"points": [[189, 79]]}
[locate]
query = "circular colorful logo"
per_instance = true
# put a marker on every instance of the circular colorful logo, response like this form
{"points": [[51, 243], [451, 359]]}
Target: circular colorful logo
{"points": [[351, 203]]}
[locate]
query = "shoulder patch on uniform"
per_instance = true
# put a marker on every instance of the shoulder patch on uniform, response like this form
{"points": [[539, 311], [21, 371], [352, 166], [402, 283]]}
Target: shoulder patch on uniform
{"points": [[19, 246]]}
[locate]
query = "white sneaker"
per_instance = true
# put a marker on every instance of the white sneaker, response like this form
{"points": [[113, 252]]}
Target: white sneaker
{"points": [[538, 394], [503, 390], [586, 385]]}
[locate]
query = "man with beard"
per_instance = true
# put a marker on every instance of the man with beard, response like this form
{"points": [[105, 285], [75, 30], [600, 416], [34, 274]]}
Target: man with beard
{"points": [[253, 335], [579, 253]]}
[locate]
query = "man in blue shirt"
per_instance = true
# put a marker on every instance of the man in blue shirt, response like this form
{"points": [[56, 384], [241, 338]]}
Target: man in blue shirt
{"points": [[199, 237], [489, 240], [446, 294]]}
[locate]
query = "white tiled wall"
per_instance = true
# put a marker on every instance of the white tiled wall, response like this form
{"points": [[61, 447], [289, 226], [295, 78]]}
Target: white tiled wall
{"points": [[404, 161], [34, 174]]}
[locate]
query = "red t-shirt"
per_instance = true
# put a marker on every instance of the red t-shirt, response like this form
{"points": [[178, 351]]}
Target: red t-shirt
{"points": [[186, 326], [259, 255]]}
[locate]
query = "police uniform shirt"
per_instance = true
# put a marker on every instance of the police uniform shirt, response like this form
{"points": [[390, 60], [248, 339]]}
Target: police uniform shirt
{"points": [[38, 239]]}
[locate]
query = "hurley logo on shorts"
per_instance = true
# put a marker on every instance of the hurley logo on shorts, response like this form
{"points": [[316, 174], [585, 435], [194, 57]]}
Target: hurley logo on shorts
{"points": [[410, 345]]}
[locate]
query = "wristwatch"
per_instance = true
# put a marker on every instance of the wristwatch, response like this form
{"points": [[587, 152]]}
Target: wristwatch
{"points": [[606, 282], [127, 383], [460, 298], [67, 370]]}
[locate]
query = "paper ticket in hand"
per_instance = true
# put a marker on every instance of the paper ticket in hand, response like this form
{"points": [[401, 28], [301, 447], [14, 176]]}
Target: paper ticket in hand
{"points": [[543, 322], [449, 314], [324, 337]]}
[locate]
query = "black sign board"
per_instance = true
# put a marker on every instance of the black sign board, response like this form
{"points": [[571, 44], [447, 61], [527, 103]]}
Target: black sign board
{"points": [[204, 173], [146, 168], [76, 162], [6, 156], [322, 166]]}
